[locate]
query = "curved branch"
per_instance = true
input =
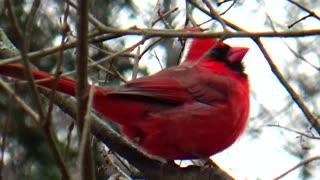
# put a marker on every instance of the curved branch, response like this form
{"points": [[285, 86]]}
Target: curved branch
{"points": [[302, 163], [294, 95]]}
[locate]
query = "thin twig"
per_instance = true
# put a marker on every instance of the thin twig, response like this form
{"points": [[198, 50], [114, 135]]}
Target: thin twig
{"points": [[70, 129], [216, 15], [299, 20], [49, 51], [29, 76], [227, 10], [163, 15], [31, 21], [302, 163], [149, 46], [297, 132], [92, 19], [107, 71], [312, 13], [129, 49], [166, 24], [20, 102], [136, 60], [300, 56], [23, 51], [288, 46], [57, 73], [219, 3], [155, 54], [294, 95]]}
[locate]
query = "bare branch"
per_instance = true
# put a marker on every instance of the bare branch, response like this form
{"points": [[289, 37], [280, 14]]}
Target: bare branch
{"points": [[302, 163], [29, 76], [297, 132], [294, 95], [311, 13], [215, 15], [85, 158], [23, 51]]}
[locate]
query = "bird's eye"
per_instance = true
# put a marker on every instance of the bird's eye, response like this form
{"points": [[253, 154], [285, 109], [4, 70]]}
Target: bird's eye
{"points": [[219, 53]]}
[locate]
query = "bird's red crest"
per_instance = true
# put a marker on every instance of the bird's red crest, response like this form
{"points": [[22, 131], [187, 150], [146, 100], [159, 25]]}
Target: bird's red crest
{"points": [[200, 47]]}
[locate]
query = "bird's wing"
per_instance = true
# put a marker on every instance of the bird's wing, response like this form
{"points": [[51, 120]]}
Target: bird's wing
{"points": [[161, 88]]}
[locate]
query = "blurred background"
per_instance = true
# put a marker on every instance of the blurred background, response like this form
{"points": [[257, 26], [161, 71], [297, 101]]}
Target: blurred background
{"points": [[270, 145]]}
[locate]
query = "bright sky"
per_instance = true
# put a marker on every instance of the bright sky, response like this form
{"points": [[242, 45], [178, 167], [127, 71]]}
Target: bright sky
{"points": [[263, 157]]}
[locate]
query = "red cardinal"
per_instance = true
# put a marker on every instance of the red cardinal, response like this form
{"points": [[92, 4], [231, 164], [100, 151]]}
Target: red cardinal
{"points": [[193, 110]]}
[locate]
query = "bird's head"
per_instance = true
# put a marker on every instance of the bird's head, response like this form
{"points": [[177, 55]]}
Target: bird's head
{"points": [[213, 53]]}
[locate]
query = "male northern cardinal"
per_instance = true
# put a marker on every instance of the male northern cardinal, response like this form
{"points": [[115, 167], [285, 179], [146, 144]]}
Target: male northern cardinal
{"points": [[192, 110]]}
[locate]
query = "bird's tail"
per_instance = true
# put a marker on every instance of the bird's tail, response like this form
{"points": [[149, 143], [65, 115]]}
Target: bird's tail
{"points": [[65, 85]]}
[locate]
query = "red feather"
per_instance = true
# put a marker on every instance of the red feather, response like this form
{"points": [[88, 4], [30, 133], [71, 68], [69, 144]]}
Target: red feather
{"points": [[193, 110]]}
